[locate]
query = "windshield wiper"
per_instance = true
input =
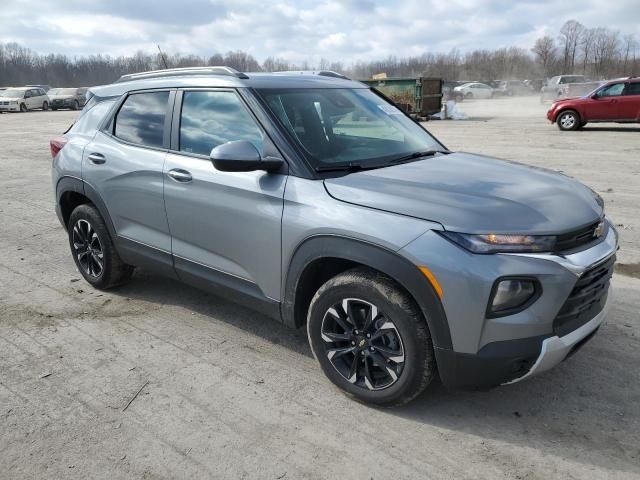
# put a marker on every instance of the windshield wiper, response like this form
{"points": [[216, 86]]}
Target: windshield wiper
{"points": [[417, 155], [344, 167]]}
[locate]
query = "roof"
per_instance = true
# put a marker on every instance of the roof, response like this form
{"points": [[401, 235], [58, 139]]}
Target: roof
{"points": [[224, 77]]}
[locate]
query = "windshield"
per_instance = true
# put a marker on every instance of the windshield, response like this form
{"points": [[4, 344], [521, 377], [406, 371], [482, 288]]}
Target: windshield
{"points": [[62, 91], [12, 92], [347, 126]]}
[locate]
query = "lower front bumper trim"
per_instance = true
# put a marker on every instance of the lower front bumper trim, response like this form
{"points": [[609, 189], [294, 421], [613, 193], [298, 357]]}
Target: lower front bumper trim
{"points": [[555, 349]]}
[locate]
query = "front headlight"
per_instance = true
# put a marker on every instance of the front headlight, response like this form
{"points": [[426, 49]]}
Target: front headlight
{"points": [[498, 243]]}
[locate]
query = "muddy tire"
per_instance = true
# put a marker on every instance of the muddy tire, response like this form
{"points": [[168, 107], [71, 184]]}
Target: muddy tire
{"points": [[93, 250], [370, 338]]}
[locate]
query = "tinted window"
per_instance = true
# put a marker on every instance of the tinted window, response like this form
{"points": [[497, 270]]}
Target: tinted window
{"points": [[210, 119], [614, 90], [141, 118], [633, 89]]}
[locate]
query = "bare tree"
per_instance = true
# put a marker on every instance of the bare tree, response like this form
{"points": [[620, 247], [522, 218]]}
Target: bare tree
{"points": [[605, 51], [545, 49], [629, 52], [570, 35]]}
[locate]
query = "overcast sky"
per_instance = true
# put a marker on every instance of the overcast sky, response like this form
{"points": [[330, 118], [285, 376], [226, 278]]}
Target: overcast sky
{"points": [[346, 30]]}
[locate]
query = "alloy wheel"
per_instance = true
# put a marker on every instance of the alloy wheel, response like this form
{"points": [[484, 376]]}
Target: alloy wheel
{"points": [[363, 344], [87, 248], [568, 120]]}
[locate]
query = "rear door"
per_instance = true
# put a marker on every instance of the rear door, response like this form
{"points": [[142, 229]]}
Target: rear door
{"points": [[630, 102], [123, 165], [225, 226], [607, 104]]}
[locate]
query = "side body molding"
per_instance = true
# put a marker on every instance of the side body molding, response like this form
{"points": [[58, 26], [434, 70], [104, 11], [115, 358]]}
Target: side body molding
{"points": [[374, 256]]}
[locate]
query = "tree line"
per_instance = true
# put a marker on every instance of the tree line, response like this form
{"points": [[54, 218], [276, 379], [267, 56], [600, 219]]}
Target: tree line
{"points": [[599, 53]]}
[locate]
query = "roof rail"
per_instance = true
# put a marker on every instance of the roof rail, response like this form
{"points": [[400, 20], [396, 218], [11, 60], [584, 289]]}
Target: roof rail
{"points": [[322, 73], [172, 72]]}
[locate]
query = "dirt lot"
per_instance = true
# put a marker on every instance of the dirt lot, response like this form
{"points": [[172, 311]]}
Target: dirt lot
{"points": [[226, 393]]}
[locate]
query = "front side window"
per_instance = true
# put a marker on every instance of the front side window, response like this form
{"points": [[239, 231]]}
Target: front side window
{"points": [[141, 119], [209, 119], [614, 90], [345, 126]]}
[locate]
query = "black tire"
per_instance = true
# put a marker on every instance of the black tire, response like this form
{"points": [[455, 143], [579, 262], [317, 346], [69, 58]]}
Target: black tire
{"points": [[88, 243], [23, 108], [568, 120], [54, 108], [397, 337], [45, 106], [76, 106]]}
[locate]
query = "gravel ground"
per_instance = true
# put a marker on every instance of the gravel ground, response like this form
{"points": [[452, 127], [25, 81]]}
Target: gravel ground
{"points": [[223, 392]]}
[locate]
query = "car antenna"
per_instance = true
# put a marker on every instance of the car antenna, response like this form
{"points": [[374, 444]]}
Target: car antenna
{"points": [[164, 60]]}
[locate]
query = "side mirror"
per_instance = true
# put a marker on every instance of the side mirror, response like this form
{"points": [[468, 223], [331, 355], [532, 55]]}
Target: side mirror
{"points": [[242, 156], [595, 96]]}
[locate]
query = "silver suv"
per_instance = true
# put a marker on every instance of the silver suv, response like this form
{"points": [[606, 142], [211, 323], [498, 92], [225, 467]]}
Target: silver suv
{"points": [[313, 199]]}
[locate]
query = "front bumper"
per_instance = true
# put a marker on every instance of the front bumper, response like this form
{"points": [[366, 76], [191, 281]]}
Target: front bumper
{"points": [[487, 352], [9, 108]]}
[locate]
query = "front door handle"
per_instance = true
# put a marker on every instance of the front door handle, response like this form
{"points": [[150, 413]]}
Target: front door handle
{"points": [[180, 175], [96, 158]]}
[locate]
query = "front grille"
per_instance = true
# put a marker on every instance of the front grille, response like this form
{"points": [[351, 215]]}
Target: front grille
{"points": [[4, 103], [587, 298], [582, 238]]}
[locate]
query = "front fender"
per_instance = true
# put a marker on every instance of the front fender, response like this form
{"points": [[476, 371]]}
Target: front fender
{"points": [[379, 258]]}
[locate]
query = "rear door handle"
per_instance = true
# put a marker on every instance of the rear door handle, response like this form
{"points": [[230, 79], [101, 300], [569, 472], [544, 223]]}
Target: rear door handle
{"points": [[180, 175], [96, 158]]}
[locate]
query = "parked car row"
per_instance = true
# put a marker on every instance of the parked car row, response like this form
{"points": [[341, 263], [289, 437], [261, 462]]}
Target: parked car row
{"points": [[36, 97]]}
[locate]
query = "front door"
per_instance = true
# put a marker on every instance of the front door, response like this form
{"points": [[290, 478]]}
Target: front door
{"points": [[225, 226], [607, 104]]}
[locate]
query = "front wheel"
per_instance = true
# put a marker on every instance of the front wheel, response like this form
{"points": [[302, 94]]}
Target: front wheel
{"points": [[568, 120], [370, 338], [76, 106], [23, 108], [93, 250]]}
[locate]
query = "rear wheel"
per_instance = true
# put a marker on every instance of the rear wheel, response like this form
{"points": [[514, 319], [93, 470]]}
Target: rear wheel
{"points": [[370, 338], [93, 250], [568, 120], [45, 106], [76, 105]]}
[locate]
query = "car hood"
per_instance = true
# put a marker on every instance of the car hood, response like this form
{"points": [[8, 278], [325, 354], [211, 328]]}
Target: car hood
{"points": [[10, 99], [473, 194]]}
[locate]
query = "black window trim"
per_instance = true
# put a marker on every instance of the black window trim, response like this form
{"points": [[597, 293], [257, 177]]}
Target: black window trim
{"points": [[108, 126]]}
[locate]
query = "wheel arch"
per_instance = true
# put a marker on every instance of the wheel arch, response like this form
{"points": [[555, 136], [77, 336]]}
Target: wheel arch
{"points": [[321, 257], [71, 192]]}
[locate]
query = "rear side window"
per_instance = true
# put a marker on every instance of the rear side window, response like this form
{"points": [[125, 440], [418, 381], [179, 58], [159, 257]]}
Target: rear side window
{"points": [[141, 119], [632, 89], [209, 119]]}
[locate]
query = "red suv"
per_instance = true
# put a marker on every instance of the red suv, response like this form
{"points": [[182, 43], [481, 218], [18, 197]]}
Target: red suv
{"points": [[615, 101]]}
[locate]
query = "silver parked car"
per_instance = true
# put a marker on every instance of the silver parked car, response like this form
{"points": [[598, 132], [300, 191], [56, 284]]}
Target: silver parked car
{"points": [[73, 98], [312, 199]]}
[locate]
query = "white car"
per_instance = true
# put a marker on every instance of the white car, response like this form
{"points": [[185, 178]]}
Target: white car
{"points": [[22, 99], [475, 90]]}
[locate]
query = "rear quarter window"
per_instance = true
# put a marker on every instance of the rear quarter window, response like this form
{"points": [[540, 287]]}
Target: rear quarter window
{"points": [[90, 120]]}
